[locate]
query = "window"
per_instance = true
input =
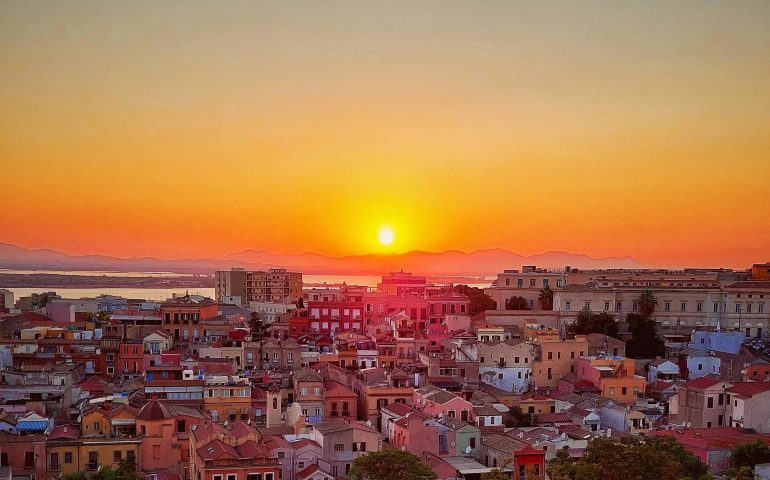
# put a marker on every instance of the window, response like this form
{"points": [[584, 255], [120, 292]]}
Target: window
{"points": [[334, 471], [4, 459], [587, 306], [612, 390], [93, 460], [635, 306], [699, 306], [618, 306], [550, 355], [338, 447], [130, 456], [531, 283], [737, 308], [716, 306], [710, 402], [232, 476], [258, 476], [624, 390], [217, 477], [667, 306], [567, 306], [54, 461], [68, 457], [180, 426], [761, 308], [606, 306], [156, 452], [117, 456], [683, 307], [29, 459]]}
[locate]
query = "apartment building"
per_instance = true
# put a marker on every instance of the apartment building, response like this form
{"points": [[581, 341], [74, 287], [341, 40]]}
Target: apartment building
{"points": [[275, 285]]}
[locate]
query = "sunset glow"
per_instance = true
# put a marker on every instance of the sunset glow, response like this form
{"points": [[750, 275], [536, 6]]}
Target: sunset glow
{"points": [[603, 128]]}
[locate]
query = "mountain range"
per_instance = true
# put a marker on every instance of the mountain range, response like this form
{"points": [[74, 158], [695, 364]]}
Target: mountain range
{"points": [[450, 262]]}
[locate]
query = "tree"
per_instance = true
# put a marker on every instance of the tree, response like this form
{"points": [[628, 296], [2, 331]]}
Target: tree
{"points": [[259, 331], [517, 303], [588, 322], [478, 300], [647, 302], [638, 458], [750, 454], [126, 470], [644, 342], [740, 473], [517, 418], [546, 298], [390, 464], [496, 474]]}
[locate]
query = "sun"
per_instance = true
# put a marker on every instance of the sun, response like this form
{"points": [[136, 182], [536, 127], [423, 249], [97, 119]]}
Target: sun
{"points": [[386, 235]]}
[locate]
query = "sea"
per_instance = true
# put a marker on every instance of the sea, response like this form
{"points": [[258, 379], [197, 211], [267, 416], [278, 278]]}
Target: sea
{"points": [[159, 294]]}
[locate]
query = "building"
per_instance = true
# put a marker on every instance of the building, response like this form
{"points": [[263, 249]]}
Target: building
{"points": [[232, 453], [749, 405], [613, 376], [506, 364], [276, 285], [701, 403], [713, 446], [555, 358], [182, 317]]}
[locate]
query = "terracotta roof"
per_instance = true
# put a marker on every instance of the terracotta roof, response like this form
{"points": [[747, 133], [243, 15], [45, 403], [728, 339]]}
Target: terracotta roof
{"points": [[64, 432], [749, 389], [703, 382], [153, 410], [332, 427]]}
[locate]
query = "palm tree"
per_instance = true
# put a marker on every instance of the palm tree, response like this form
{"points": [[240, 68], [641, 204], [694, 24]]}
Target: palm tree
{"points": [[647, 302], [546, 298], [259, 331]]}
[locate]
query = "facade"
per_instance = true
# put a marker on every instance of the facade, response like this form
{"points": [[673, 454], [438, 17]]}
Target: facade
{"points": [[555, 358], [276, 285], [506, 364]]}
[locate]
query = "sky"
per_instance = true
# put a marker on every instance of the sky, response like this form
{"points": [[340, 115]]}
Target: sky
{"points": [[178, 129]]}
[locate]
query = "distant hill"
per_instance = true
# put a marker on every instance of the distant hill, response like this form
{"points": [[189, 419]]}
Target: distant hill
{"points": [[451, 262]]}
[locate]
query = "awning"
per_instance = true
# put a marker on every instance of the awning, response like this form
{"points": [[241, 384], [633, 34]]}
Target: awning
{"points": [[32, 425]]}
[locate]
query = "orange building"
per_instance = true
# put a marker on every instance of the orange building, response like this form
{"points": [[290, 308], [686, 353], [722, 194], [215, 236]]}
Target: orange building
{"points": [[339, 401], [760, 271], [555, 358], [164, 430], [614, 376], [227, 400], [233, 453], [181, 317]]}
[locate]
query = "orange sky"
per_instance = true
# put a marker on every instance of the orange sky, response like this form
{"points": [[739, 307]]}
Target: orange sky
{"points": [[186, 129]]}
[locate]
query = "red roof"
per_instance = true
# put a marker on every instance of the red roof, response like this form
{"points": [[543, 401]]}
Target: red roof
{"points": [[702, 382], [69, 432], [749, 389], [718, 438]]}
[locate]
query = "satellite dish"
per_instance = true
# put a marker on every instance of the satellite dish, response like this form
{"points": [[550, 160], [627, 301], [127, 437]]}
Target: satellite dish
{"points": [[368, 423], [403, 449], [468, 449]]}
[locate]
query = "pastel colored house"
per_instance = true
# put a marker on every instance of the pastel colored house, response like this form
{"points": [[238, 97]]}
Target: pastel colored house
{"points": [[438, 402], [416, 432], [614, 376]]}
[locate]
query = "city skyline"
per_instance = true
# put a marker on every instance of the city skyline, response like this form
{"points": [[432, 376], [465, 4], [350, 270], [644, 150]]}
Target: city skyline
{"points": [[178, 130]]}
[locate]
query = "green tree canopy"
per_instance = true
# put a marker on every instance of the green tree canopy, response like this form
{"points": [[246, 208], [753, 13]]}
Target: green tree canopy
{"points": [[644, 342], [637, 458], [390, 464], [517, 418], [517, 303], [750, 454], [545, 299], [126, 470], [478, 300], [589, 322], [647, 302]]}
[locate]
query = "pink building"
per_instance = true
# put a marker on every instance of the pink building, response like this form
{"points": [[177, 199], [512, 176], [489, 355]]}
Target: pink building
{"points": [[334, 317], [438, 402], [416, 433]]}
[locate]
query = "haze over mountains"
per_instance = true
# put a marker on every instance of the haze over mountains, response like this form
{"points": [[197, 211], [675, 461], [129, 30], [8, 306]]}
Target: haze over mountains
{"points": [[452, 262]]}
